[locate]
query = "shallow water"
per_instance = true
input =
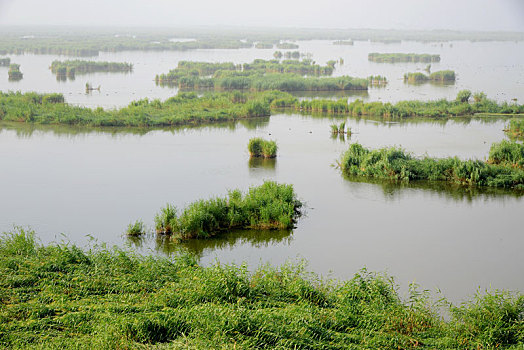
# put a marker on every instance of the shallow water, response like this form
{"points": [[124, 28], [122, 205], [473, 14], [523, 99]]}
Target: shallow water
{"points": [[89, 184], [495, 68]]}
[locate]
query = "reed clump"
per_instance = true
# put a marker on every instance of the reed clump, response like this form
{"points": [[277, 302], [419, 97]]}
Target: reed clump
{"points": [[259, 147], [14, 72], [396, 164], [60, 296], [507, 153], [340, 129], [377, 80], [287, 46], [5, 61], [269, 206], [402, 57], [136, 228]]}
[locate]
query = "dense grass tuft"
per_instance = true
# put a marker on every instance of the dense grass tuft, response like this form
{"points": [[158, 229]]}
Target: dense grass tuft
{"points": [[136, 229], [259, 147], [269, 206]]}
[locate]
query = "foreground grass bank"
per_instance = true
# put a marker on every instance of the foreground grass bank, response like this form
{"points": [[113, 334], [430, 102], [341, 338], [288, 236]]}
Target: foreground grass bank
{"points": [[63, 297], [504, 168]]}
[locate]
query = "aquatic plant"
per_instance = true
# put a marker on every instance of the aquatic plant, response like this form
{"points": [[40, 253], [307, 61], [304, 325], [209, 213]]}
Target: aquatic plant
{"points": [[259, 147], [395, 164], [343, 42], [135, 229], [338, 129], [269, 206], [5, 62], [507, 153], [287, 46], [439, 76], [14, 72], [59, 296], [375, 80], [402, 57]]}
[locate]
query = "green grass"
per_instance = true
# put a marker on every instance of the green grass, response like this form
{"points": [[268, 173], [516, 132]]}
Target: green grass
{"points": [[439, 76], [136, 229], [259, 147], [269, 206], [395, 164], [70, 68], [507, 153], [63, 297]]}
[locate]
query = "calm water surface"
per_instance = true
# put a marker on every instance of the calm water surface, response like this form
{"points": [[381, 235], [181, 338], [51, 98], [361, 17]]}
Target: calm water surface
{"points": [[74, 184]]}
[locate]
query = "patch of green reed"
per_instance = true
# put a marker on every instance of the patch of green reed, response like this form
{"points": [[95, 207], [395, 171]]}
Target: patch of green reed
{"points": [[14, 72], [269, 206], [507, 153], [259, 147], [339, 129], [62, 297], [516, 127], [136, 228], [395, 164]]}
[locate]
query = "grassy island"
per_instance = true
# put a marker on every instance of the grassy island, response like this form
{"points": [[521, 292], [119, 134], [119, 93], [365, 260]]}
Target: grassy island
{"points": [[14, 72], [64, 297], [5, 62], [260, 75], [504, 168], [71, 67], [259, 147], [269, 206], [402, 57], [438, 76]]}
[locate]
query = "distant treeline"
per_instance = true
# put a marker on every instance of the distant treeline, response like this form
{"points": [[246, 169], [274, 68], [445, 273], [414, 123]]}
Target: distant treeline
{"points": [[5, 62], [439, 76], [503, 169], [260, 75], [71, 67], [185, 108], [461, 106], [402, 57]]}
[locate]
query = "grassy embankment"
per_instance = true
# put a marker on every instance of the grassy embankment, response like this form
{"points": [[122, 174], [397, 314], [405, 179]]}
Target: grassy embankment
{"points": [[269, 206], [504, 168], [461, 106], [70, 68], [402, 57], [259, 147], [442, 76], [63, 297], [259, 76], [182, 109]]}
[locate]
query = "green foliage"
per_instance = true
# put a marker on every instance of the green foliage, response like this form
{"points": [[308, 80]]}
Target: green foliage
{"points": [[395, 164], [507, 153], [402, 57], [269, 206], [277, 55], [463, 96], [135, 229], [71, 67], [287, 46], [259, 147], [61, 297], [339, 129], [377, 80], [5, 62]]}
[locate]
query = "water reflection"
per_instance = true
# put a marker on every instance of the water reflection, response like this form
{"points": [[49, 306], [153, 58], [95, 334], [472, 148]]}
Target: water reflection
{"points": [[228, 240], [395, 190], [262, 163]]}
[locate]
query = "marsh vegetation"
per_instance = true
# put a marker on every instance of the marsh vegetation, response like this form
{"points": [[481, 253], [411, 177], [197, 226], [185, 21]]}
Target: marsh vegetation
{"points": [[70, 68], [443, 76], [14, 72], [402, 57], [259, 147]]}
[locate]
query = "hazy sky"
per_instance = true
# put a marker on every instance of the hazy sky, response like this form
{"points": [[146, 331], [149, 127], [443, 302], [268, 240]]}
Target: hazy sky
{"points": [[401, 14]]}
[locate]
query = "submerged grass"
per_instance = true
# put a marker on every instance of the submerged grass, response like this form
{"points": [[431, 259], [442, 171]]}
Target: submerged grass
{"points": [[63, 297], [269, 206], [395, 164]]}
